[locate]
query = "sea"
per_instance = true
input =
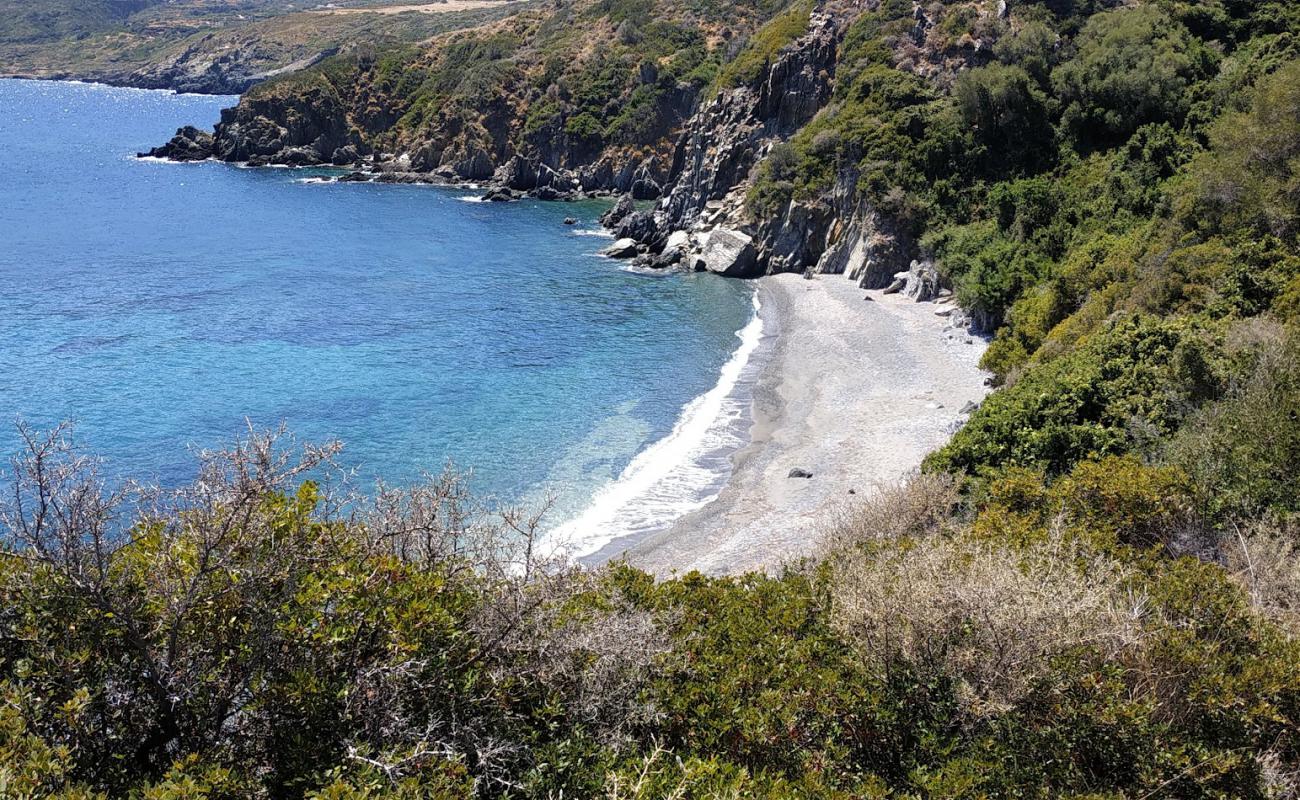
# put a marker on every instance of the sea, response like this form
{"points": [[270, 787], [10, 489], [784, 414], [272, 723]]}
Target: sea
{"points": [[164, 308]]}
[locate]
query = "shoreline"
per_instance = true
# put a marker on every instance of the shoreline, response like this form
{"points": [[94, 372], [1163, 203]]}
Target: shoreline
{"points": [[682, 471], [110, 83], [856, 391]]}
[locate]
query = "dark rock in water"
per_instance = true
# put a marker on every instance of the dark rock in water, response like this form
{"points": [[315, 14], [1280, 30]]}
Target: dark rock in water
{"points": [[642, 226], [667, 259], [355, 177], [570, 221], [189, 144], [799, 472], [500, 194], [546, 193], [300, 157], [621, 209]]}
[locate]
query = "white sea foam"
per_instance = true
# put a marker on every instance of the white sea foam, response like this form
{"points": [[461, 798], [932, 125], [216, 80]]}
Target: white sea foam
{"points": [[652, 272], [157, 160], [469, 198], [682, 471], [313, 181], [598, 232]]}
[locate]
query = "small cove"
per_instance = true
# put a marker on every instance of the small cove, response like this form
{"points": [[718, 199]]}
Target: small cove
{"points": [[159, 306]]}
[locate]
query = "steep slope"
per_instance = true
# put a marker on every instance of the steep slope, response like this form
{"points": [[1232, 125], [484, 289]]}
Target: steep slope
{"points": [[584, 95]]}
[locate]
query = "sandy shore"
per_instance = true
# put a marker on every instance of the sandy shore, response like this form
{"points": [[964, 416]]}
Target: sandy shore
{"points": [[855, 391]]}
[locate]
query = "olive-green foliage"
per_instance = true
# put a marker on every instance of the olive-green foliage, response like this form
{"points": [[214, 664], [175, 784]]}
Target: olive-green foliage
{"points": [[1133, 67], [1134, 380], [1249, 178], [1241, 450], [759, 51], [248, 642]]}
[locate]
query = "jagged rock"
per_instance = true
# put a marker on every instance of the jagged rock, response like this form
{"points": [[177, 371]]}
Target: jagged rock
{"points": [[343, 156], [731, 253], [896, 286], [677, 242], [623, 248], [641, 226], [970, 408], [869, 249], [500, 194], [726, 138], [189, 144], [299, 157], [922, 281], [473, 165], [667, 259], [799, 472], [1003, 10], [570, 221], [621, 209]]}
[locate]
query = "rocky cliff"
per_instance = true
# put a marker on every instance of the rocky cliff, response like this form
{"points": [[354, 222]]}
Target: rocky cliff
{"points": [[580, 97], [624, 116]]}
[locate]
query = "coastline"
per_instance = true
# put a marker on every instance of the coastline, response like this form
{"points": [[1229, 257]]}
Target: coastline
{"points": [[855, 391]]}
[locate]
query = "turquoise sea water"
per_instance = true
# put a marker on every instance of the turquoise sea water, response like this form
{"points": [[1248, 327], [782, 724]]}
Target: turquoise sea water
{"points": [[160, 305]]}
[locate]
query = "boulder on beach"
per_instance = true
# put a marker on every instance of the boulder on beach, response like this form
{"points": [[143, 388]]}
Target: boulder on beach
{"points": [[731, 253], [799, 472]]}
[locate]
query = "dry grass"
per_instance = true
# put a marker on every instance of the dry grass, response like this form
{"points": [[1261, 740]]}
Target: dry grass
{"points": [[989, 616], [918, 507], [1265, 560]]}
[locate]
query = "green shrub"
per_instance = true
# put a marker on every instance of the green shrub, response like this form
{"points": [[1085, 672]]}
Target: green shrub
{"points": [[1134, 67]]}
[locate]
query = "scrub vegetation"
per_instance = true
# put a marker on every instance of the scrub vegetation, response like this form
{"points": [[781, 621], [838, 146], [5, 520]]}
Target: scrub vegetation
{"points": [[1093, 591]]}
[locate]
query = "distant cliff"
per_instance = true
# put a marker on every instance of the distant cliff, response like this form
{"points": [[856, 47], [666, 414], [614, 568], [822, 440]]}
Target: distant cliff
{"points": [[221, 47]]}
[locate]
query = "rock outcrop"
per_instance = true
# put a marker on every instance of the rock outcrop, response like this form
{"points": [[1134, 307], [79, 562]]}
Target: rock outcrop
{"points": [[730, 253], [189, 144], [727, 138]]}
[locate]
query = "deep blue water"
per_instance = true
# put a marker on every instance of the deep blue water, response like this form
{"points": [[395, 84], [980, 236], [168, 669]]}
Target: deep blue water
{"points": [[159, 305]]}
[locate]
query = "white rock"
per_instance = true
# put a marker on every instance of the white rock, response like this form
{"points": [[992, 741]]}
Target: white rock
{"points": [[623, 248]]}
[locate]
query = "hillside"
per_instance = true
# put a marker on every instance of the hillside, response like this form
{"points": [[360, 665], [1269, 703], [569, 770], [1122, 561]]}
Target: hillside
{"points": [[211, 46], [1092, 591]]}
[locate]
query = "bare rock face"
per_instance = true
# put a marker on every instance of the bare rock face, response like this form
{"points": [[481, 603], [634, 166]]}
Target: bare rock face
{"points": [[731, 253], [727, 137], [303, 128], [868, 248]]}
